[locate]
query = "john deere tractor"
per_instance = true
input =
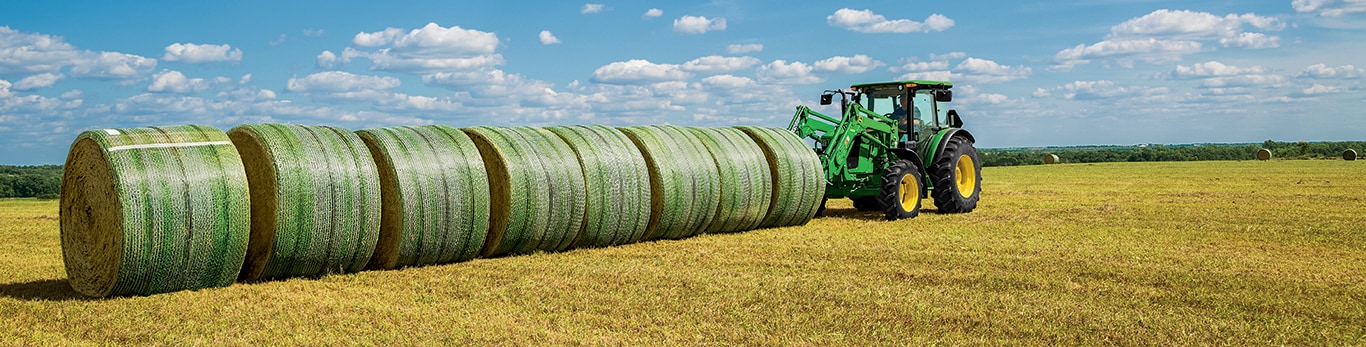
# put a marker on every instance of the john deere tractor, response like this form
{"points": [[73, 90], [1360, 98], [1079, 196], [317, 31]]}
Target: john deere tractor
{"points": [[893, 144]]}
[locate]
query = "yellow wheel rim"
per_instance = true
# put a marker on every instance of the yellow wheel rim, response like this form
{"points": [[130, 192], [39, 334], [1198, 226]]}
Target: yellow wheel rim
{"points": [[967, 176], [910, 192]]}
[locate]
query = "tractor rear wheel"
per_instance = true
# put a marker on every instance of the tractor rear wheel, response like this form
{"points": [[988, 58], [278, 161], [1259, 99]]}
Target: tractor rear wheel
{"points": [[957, 175], [867, 203], [901, 187]]}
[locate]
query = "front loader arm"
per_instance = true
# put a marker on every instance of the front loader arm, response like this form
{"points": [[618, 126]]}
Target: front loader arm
{"points": [[835, 138]]}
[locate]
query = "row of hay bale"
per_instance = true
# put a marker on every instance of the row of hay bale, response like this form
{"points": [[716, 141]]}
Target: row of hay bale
{"points": [[1348, 155], [160, 209]]}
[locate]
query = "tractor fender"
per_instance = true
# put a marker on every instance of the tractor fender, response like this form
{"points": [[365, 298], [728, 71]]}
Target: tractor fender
{"points": [[906, 154], [937, 145]]}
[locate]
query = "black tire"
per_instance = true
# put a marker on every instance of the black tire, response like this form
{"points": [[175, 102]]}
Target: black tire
{"points": [[867, 204], [901, 184], [957, 175]]}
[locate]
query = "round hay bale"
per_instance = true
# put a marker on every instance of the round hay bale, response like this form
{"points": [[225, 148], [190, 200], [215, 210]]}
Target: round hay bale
{"points": [[1050, 159], [1349, 155], [683, 181], [567, 196], [746, 188], [798, 179], [617, 204], [1263, 154], [434, 192], [315, 200], [153, 210]]}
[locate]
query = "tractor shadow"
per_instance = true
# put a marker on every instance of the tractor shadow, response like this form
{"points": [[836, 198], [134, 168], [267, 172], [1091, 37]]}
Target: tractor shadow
{"points": [[851, 213], [41, 290]]}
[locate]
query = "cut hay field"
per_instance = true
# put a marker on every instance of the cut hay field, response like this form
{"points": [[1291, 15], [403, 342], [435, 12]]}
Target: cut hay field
{"points": [[1188, 253]]}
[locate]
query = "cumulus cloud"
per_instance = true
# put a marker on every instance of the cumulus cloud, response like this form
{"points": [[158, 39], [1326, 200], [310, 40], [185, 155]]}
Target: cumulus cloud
{"points": [[654, 12], [988, 71], [744, 48], [1214, 69], [638, 71], [728, 82], [327, 59], [431, 48], [698, 24], [592, 8], [715, 64], [1102, 89], [342, 85], [782, 72], [26, 53], [915, 65], [199, 54], [865, 21], [847, 65], [1329, 8], [171, 81], [1166, 36], [1323, 71], [42, 80], [1319, 89], [548, 39]]}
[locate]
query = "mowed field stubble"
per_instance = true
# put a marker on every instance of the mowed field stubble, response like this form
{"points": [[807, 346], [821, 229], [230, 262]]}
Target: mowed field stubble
{"points": [[1236, 253]]}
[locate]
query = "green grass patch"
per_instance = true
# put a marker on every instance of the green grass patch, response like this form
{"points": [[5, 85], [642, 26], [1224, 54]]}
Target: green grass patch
{"points": [[1228, 253]]}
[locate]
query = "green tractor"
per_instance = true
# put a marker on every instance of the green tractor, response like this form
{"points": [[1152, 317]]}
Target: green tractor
{"points": [[894, 144]]}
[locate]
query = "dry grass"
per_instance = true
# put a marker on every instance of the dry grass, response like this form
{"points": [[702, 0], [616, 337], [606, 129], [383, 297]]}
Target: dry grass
{"points": [[1231, 253]]}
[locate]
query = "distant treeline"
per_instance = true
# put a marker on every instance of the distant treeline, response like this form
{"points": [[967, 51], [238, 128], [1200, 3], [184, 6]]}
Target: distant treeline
{"points": [[1191, 152], [43, 182]]}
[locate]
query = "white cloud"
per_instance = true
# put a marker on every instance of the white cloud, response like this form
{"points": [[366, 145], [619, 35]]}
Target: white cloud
{"points": [[342, 85], [327, 59], [988, 71], [378, 38], [1319, 89], [931, 75], [847, 65], [715, 64], [1330, 8], [638, 71], [171, 81], [782, 72], [1323, 71], [728, 82], [1125, 52], [865, 21], [744, 48], [432, 48], [198, 54], [312, 32], [912, 65], [592, 8], [1165, 36], [1214, 69], [654, 12], [1102, 89], [114, 65], [698, 24], [1250, 40], [1263, 80], [548, 39], [42, 80]]}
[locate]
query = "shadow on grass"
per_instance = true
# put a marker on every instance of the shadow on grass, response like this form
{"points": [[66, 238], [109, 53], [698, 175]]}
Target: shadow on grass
{"points": [[49, 289], [849, 213]]}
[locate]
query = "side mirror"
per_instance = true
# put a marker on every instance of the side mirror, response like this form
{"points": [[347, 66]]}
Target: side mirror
{"points": [[954, 120], [943, 96], [827, 99]]}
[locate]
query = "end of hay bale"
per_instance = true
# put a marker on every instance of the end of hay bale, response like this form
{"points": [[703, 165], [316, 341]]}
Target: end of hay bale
{"points": [[1050, 159], [1349, 155], [1264, 154], [91, 219]]}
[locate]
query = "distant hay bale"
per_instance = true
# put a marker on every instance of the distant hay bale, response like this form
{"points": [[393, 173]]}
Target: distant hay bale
{"points": [[315, 200], [434, 191], [153, 210], [1263, 154], [1050, 159], [1349, 155]]}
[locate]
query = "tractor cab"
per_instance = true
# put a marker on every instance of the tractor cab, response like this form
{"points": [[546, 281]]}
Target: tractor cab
{"points": [[916, 105]]}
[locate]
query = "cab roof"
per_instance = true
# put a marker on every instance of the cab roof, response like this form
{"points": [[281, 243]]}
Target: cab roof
{"points": [[919, 84]]}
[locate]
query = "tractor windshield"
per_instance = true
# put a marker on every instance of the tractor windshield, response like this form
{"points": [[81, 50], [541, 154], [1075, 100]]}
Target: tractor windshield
{"points": [[889, 101]]}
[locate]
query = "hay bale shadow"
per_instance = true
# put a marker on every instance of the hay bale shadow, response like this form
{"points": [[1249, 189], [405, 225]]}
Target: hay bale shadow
{"points": [[48, 289]]}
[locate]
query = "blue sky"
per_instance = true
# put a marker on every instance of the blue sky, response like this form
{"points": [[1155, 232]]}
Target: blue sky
{"points": [[1034, 73]]}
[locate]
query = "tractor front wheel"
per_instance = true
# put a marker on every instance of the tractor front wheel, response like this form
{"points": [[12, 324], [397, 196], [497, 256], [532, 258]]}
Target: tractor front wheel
{"points": [[957, 175], [901, 187]]}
